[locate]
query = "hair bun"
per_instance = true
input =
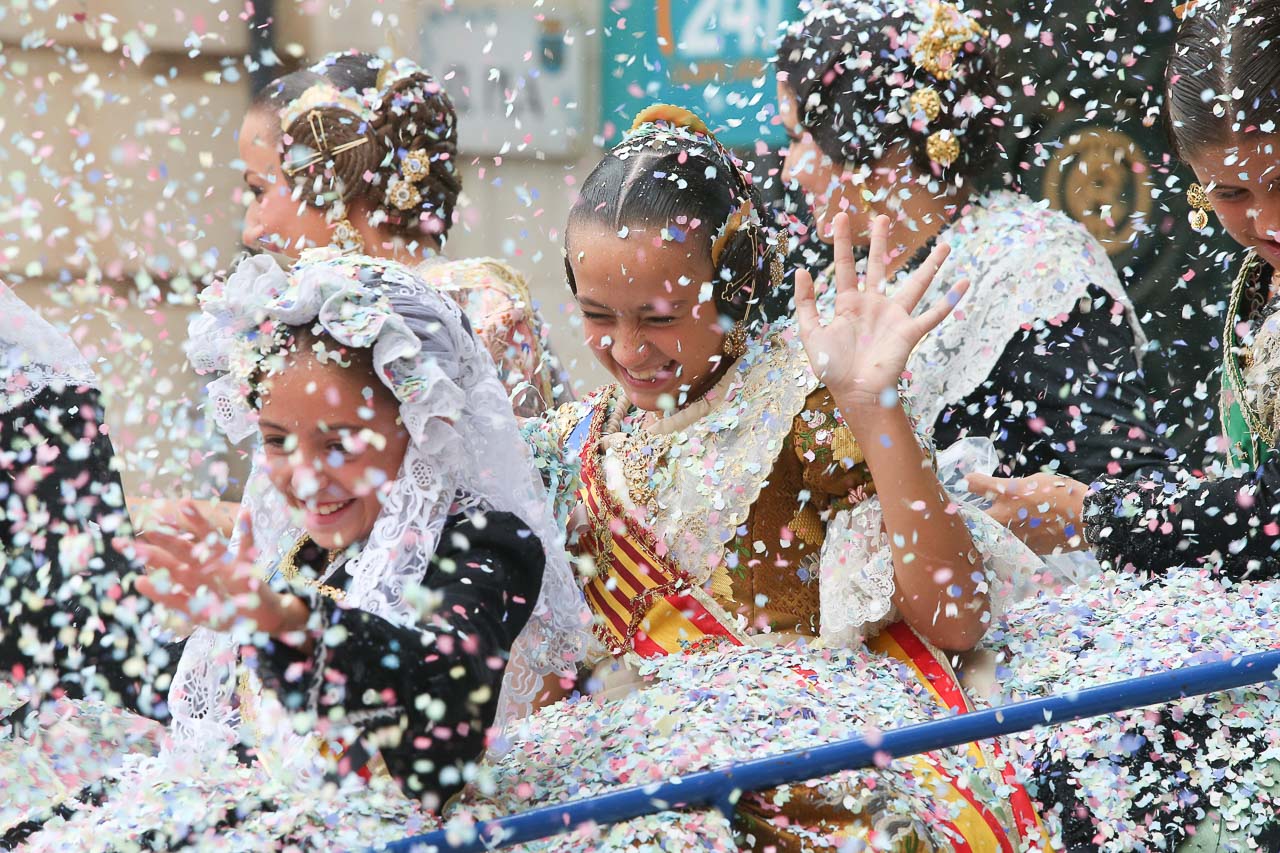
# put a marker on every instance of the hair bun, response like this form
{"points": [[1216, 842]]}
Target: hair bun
{"points": [[672, 115]]}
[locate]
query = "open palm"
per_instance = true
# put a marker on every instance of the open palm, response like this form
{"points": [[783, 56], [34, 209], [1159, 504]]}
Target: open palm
{"points": [[195, 574], [863, 351]]}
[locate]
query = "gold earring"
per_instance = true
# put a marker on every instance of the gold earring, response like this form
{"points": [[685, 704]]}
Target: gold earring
{"points": [[347, 238], [1198, 199], [735, 341]]}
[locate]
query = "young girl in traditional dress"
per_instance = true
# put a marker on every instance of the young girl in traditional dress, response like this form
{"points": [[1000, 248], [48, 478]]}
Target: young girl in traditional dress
{"points": [[747, 519], [892, 109], [377, 645]]}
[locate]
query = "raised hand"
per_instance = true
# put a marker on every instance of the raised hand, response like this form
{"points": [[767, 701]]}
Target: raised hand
{"points": [[862, 352], [195, 574]]}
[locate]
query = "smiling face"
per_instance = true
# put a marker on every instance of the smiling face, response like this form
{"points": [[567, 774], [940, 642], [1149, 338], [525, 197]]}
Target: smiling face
{"points": [[277, 219], [639, 297], [1243, 182], [333, 444]]}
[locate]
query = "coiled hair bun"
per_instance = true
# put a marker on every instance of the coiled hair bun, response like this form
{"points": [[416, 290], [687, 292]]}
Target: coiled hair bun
{"points": [[358, 130]]}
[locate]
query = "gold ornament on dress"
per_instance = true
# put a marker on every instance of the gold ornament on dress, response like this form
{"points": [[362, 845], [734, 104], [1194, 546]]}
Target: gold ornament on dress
{"points": [[640, 451], [927, 101], [943, 147], [289, 571], [942, 39], [1198, 199]]}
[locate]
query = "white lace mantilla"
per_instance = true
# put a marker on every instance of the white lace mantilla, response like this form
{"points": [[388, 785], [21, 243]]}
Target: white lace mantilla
{"points": [[1025, 264]]}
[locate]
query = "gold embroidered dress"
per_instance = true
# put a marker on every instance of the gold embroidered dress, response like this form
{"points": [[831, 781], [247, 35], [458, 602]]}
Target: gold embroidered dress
{"points": [[737, 560]]}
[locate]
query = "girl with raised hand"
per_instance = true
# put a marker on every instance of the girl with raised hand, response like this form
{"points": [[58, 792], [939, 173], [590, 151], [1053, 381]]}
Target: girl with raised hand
{"points": [[892, 110], [425, 597], [752, 503]]}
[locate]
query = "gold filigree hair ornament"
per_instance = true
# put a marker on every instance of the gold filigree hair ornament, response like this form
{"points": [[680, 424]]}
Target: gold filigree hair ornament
{"points": [[940, 39], [942, 36]]}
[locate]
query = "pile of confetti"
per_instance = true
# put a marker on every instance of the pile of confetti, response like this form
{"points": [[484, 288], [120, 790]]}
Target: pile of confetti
{"points": [[708, 710], [1117, 627], [231, 806]]}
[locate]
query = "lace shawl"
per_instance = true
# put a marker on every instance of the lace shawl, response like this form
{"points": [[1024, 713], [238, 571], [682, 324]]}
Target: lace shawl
{"points": [[465, 452], [1025, 264]]}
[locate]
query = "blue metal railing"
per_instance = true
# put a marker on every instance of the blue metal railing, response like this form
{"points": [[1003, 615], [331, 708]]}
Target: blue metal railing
{"points": [[721, 788]]}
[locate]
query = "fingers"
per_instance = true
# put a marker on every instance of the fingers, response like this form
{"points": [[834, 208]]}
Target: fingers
{"points": [[194, 520], [917, 284], [985, 485], [806, 303], [878, 257], [162, 549], [246, 553], [167, 598], [846, 268], [930, 319]]}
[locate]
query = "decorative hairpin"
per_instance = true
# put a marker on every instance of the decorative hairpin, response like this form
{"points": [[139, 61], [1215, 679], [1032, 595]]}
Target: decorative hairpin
{"points": [[402, 191], [316, 122], [942, 147], [926, 100]]}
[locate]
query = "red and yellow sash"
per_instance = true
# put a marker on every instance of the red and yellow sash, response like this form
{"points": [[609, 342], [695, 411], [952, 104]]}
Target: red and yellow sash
{"points": [[977, 828], [646, 603]]}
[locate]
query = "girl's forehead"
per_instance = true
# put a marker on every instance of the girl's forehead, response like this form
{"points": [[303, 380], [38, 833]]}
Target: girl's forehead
{"points": [[1242, 160]]}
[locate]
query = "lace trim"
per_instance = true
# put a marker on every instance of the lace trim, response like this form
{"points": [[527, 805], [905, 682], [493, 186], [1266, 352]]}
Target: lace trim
{"points": [[1025, 263], [34, 355]]}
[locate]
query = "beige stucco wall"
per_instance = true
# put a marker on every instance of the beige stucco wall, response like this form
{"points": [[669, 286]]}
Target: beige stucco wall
{"points": [[119, 188]]}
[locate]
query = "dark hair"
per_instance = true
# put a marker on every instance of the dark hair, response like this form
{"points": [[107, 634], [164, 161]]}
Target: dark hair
{"points": [[1222, 48], [668, 175], [853, 73], [411, 115]]}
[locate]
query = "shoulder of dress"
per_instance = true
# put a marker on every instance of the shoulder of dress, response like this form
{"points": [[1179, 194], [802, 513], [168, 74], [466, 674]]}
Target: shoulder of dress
{"points": [[568, 418], [820, 438], [473, 273]]}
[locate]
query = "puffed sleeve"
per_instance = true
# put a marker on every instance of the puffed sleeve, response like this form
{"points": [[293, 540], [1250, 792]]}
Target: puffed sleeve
{"points": [[1152, 525]]}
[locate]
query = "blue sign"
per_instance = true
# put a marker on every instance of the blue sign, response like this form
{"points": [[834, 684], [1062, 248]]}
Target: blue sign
{"points": [[711, 56]]}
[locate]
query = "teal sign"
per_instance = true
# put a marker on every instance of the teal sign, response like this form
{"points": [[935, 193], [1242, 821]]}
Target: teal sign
{"points": [[711, 56]]}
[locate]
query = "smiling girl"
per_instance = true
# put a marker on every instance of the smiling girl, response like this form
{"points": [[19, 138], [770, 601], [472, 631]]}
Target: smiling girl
{"points": [[746, 487]]}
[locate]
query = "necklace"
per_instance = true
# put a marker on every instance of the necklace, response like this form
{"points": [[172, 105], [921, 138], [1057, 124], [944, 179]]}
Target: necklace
{"points": [[640, 452], [289, 571]]}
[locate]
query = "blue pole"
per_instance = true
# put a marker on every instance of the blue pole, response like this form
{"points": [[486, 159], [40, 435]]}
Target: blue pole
{"points": [[714, 787]]}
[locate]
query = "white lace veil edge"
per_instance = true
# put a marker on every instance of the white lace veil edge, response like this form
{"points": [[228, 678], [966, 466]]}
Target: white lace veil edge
{"points": [[34, 355]]}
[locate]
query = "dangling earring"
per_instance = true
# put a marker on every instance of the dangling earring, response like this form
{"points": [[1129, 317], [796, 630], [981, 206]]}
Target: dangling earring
{"points": [[1198, 199], [347, 238], [735, 341]]}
